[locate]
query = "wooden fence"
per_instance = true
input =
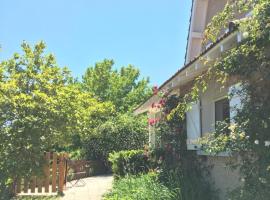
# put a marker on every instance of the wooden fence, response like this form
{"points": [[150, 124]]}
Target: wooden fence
{"points": [[53, 180]]}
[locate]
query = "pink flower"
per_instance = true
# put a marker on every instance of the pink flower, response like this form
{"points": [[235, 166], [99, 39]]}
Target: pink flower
{"points": [[151, 122], [162, 102], [155, 90]]}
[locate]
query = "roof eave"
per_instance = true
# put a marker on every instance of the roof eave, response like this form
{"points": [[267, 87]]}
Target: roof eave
{"points": [[222, 40]]}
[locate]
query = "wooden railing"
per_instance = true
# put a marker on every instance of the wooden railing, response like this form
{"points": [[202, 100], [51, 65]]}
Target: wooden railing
{"points": [[53, 180]]}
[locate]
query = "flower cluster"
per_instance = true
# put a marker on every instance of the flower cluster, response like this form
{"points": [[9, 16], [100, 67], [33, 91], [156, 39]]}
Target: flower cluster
{"points": [[160, 104], [153, 121], [155, 90], [156, 106]]}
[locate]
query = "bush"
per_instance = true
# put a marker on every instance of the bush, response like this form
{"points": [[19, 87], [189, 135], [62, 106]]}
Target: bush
{"points": [[143, 187], [124, 132], [96, 168], [128, 162]]}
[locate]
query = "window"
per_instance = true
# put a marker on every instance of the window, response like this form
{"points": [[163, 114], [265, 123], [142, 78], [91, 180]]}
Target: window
{"points": [[222, 110]]}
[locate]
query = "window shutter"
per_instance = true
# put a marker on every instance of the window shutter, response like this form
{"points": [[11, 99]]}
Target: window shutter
{"points": [[193, 126], [235, 100]]}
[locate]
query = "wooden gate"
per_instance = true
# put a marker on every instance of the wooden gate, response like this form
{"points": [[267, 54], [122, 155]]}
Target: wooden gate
{"points": [[53, 180]]}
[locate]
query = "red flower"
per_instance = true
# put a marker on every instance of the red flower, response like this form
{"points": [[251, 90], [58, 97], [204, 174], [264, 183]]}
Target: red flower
{"points": [[151, 122]]}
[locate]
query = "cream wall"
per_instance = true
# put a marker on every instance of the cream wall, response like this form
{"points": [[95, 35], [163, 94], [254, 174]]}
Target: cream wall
{"points": [[195, 47], [202, 13], [224, 178], [214, 6]]}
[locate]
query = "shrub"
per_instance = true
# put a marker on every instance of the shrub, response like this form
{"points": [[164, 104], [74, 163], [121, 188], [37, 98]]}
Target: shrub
{"points": [[96, 168], [128, 162], [143, 187], [124, 132]]}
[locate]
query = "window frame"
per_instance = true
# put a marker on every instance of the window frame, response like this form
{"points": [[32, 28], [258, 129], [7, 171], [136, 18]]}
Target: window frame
{"points": [[229, 110]]}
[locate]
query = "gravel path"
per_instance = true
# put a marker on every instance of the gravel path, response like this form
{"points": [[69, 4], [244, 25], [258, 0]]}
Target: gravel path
{"points": [[94, 188]]}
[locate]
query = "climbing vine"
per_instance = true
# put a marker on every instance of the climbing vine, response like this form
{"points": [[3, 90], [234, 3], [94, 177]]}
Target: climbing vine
{"points": [[249, 131], [250, 62], [180, 170]]}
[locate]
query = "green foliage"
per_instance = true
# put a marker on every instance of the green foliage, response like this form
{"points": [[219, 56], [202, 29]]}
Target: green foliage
{"points": [[97, 168], [249, 61], [123, 88], [182, 171], [41, 109], [226, 138], [144, 187], [77, 154], [125, 91], [124, 132], [232, 10], [44, 109], [131, 162]]}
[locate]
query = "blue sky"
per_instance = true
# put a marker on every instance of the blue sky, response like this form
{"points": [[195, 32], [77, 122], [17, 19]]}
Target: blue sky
{"points": [[150, 34]]}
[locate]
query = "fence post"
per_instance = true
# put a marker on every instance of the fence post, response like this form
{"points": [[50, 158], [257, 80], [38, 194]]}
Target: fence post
{"points": [[57, 168], [18, 185], [39, 184], [33, 184], [61, 174], [54, 167], [47, 172], [25, 185]]}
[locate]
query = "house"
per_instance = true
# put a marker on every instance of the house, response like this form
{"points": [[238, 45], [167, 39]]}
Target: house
{"points": [[214, 104]]}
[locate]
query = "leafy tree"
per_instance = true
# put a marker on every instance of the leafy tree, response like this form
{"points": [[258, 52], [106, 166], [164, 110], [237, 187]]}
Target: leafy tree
{"points": [[123, 88], [124, 132], [40, 107]]}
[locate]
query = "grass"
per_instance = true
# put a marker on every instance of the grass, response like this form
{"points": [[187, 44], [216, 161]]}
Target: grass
{"points": [[143, 187]]}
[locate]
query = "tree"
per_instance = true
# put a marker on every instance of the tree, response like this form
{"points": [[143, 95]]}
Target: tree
{"points": [[125, 91], [123, 88], [123, 132], [41, 107]]}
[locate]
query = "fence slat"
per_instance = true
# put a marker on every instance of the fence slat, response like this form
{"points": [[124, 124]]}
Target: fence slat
{"points": [[54, 168], [54, 173], [39, 184], [25, 185], [33, 184], [65, 169], [61, 174], [47, 172], [18, 185]]}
